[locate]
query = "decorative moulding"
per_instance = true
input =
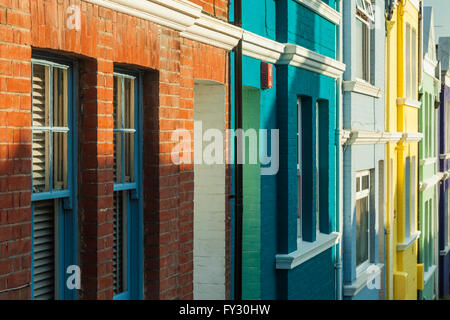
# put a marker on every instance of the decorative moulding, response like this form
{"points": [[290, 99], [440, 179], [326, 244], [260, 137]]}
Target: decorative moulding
{"points": [[363, 87], [175, 14], [306, 251], [444, 156], [214, 31], [362, 137], [415, 3], [408, 102], [429, 183], [261, 48], [409, 137], [323, 10], [429, 66], [345, 135], [303, 58], [428, 161]]}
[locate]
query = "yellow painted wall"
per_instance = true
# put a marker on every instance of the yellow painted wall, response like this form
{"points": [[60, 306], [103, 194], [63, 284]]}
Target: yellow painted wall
{"points": [[401, 266]]}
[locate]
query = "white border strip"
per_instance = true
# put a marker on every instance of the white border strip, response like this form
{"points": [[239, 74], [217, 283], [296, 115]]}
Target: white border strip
{"points": [[323, 10]]}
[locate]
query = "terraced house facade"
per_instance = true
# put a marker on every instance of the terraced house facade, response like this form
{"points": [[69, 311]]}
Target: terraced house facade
{"points": [[428, 171], [223, 149]]}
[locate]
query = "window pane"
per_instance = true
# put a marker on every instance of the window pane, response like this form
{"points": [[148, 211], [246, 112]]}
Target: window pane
{"points": [[358, 64], [41, 161], [60, 97], [362, 230], [365, 182], [59, 160], [129, 104], [117, 102], [129, 157], [408, 61], [120, 243], [117, 141], [41, 101], [358, 184]]}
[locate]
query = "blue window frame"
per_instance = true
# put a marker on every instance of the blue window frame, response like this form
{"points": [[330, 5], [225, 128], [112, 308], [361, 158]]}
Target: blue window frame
{"points": [[54, 138], [127, 211]]}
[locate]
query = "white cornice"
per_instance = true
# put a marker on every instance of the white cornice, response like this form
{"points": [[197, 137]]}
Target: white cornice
{"points": [[213, 31], [444, 156], [409, 137], [362, 137], [345, 135], [322, 9], [408, 102], [363, 87], [303, 58], [415, 4], [261, 48], [429, 183], [175, 14], [361, 282], [428, 161], [393, 137], [429, 66]]}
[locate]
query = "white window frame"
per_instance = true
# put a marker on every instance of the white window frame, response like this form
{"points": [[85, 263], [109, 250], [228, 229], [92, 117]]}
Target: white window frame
{"points": [[366, 17], [361, 194]]}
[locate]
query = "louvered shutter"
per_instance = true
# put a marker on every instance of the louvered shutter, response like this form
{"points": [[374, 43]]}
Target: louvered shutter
{"points": [[40, 138], [118, 244], [44, 250]]}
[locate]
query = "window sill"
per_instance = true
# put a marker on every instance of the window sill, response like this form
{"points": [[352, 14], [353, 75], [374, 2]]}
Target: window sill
{"points": [[428, 274], [445, 251], [361, 281], [363, 87], [444, 156], [408, 102], [402, 246], [306, 251]]}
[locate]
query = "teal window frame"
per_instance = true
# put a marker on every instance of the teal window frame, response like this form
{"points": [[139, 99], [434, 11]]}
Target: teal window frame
{"points": [[66, 234], [135, 265]]}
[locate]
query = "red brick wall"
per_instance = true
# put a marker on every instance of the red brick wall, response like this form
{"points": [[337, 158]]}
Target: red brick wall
{"points": [[15, 149], [218, 8], [171, 63]]}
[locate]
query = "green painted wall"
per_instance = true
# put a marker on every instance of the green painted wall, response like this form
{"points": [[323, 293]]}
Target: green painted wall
{"points": [[251, 246]]}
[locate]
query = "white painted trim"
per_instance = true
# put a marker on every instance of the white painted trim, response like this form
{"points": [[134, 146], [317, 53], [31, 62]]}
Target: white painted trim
{"points": [[345, 135], [261, 48], [445, 251], [447, 79], [408, 102], [409, 137], [402, 246], [428, 161], [306, 251], [429, 183], [351, 290], [444, 156], [323, 10], [175, 14], [363, 87], [415, 3], [361, 137], [303, 58], [393, 137], [214, 31], [428, 274], [429, 67]]}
